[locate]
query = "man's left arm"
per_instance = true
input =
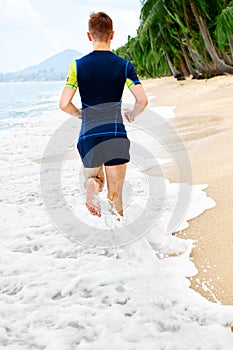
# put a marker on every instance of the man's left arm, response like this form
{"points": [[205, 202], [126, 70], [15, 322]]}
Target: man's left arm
{"points": [[69, 90]]}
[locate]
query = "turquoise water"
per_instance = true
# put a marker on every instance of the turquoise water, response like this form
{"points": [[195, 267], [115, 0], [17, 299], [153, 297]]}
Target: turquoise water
{"points": [[27, 99]]}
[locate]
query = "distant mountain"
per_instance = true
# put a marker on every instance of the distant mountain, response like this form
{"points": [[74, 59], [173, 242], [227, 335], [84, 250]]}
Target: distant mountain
{"points": [[53, 68], [58, 63]]}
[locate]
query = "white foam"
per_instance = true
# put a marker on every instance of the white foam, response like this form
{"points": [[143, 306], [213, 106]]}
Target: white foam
{"points": [[56, 295]]}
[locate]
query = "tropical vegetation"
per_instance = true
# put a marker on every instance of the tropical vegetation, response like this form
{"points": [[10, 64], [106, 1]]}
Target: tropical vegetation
{"points": [[182, 37]]}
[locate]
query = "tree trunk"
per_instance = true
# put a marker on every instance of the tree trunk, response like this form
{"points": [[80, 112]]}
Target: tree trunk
{"points": [[174, 71], [220, 65], [230, 40], [186, 58], [224, 57], [183, 69], [227, 59], [199, 66]]}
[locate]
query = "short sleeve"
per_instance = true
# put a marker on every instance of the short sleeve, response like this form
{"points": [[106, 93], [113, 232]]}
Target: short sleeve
{"points": [[131, 75], [71, 81]]}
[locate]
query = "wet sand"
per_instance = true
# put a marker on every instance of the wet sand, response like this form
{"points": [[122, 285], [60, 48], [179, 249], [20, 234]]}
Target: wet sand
{"points": [[204, 120]]}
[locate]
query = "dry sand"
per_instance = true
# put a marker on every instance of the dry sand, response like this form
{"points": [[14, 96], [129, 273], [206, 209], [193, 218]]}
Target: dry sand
{"points": [[204, 119]]}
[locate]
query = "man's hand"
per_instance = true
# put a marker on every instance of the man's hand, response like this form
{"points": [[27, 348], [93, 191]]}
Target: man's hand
{"points": [[127, 113], [78, 114]]}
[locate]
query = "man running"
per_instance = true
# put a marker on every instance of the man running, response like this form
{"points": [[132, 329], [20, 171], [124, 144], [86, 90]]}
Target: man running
{"points": [[103, 144]]}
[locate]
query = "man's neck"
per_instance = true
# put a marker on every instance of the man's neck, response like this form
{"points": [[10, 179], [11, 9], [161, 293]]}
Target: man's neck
{"points": [[101, 46]]}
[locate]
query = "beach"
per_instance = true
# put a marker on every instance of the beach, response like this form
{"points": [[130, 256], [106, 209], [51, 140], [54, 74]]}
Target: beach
{"points": [[101, 289], [204, 119]]}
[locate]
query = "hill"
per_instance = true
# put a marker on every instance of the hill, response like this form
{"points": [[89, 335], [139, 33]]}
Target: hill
{"points": [[53, 68]]}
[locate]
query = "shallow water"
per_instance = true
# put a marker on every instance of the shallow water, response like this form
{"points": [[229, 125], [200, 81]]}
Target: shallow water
{"points": [[56, 294]]}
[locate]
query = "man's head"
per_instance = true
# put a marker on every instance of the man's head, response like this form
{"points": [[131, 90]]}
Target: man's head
{"points": [[100, 27]]}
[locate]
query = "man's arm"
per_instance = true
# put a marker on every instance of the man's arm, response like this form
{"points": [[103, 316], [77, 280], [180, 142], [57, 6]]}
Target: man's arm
{"points": [[141, 102], [66, 104]]}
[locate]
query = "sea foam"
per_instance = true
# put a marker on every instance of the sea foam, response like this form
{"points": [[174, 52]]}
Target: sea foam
{"points": [[59, 295]]}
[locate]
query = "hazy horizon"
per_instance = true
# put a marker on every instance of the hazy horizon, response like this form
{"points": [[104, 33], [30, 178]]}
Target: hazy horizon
{"points": [[41, 61]]}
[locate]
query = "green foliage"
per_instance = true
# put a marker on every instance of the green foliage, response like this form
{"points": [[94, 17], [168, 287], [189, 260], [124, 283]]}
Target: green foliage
{"points": [[187, 36], [224, 25]]}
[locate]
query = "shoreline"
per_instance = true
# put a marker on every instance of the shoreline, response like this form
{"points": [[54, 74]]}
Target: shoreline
{"points": [[204, 120], [59, 288]]}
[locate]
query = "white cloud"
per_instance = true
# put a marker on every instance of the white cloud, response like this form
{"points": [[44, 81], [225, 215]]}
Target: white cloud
{"points": [[18, 11], [124, 13], [127, 4], [22, 35], [32, 30]]}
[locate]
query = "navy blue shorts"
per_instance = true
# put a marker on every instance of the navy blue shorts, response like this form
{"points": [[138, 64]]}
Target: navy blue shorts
{"points": [[108, 150]]}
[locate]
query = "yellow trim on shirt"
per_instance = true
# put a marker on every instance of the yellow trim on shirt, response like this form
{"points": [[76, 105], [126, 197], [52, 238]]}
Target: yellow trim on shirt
{"points": [[129, 83], [72, 81]]}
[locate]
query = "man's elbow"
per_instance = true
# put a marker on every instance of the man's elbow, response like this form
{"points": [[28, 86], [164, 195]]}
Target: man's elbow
{"points": [[143, 101], [63, 105]]}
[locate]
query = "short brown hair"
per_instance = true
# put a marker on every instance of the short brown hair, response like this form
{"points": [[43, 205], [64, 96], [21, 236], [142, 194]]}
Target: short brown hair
{"points": [[100, 26]]}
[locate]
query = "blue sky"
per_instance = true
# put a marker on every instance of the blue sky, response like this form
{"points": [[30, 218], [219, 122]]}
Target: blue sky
{"points": [[32, 30]]}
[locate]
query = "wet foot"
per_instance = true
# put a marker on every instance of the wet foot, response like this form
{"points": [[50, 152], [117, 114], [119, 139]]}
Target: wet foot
{"points": [[92, 200], [117, 212], [101, 187], [100, 181]]}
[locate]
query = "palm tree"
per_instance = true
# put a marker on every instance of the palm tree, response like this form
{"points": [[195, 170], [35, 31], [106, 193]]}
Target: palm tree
{"points": [[188, 36], [224, 29], [210, 47]]}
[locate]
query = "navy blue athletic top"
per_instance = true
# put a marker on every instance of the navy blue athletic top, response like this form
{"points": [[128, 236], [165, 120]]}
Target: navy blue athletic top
{"points": [[101, 77]]}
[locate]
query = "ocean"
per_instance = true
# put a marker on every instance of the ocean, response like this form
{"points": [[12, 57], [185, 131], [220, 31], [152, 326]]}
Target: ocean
{"points": [[65, 294], [27, 99]]}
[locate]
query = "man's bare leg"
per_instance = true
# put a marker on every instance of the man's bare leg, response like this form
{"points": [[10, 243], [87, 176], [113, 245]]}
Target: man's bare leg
{"points": [[94, 184], [115, 175]]}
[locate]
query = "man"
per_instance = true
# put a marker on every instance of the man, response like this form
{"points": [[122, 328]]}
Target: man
{"points": [[101, 76]]}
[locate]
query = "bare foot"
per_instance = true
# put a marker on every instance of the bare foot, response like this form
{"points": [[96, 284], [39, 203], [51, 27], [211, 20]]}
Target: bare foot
{"points": [[117, 212], [101, 187], [92, 200], [100, 181]]}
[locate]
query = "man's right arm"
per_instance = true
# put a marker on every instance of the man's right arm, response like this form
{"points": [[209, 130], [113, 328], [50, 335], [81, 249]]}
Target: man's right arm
{"points": [[138, 92]]}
